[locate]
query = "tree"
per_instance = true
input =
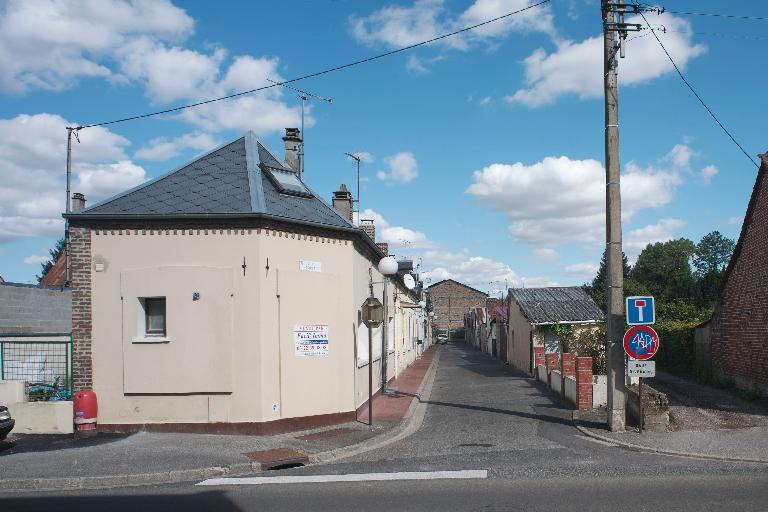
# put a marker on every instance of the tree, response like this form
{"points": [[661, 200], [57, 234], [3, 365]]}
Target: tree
{"points": [[664, 268], [54, 253], [598, 288], [710, 260]]}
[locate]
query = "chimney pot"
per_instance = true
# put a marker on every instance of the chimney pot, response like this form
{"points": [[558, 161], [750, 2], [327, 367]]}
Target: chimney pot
{"points": [[293, 148], [342, 201], [78, 202]]}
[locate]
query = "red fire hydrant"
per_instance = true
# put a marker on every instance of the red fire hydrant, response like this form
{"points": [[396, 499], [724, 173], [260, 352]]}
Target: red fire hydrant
{"points": [[86, 410]]}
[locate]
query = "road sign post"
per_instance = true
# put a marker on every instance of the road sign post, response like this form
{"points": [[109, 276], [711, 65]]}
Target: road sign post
{"points": [[373, 315], [641, 342]]}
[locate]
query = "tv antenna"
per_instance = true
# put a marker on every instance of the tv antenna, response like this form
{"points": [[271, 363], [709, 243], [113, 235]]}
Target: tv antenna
{"points": [[303, 96], [356, 158]]}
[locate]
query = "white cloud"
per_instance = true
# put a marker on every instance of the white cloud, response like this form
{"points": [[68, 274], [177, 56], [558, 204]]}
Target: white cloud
{"points": [[169, 73], [680, 156], [485, 101], [402, 168], [395, 236], [49, 44], [396, 26], [546, 254], [738, 219], [437, 263], [706, 174], [34, 259], [582, 269], [560, 200], [635, 240], [364, 156], [32, 149], [165, 148], [576, 68]]}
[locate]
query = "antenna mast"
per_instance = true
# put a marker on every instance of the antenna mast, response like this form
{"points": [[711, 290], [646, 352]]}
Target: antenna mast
{"points": [[303, 96]]}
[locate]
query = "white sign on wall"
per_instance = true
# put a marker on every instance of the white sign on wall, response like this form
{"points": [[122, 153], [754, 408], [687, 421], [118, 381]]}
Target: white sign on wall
{"points": [[310, 340], [643, 369], [310, 266]]}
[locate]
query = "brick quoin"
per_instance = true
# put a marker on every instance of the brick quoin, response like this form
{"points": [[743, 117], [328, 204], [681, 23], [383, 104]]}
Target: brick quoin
{"points": [[80, 268], [584, 382], [739, 326], [538, 356], [567, 367]]}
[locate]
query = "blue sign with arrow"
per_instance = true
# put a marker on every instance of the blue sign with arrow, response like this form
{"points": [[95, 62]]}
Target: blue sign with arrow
{"points": [[641, 311]]}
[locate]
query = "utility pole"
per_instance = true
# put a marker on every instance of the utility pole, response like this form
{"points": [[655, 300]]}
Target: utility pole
{"points": [[614, 34], [67, 269]]}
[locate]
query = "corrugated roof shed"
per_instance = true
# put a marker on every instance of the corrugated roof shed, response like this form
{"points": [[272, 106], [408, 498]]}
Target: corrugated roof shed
{"points": [[556, 304]]}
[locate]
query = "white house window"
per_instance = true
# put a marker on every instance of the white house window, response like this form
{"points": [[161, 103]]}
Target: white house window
{"points": [[151, 321], [154, 315]]}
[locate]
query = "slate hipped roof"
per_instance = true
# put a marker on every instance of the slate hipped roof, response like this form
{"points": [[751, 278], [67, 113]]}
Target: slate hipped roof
{"points": [[230, 181], [556, 304]]}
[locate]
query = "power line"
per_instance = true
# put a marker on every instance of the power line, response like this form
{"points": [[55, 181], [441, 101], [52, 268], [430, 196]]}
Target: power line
{"points": [[720, 34], [318, 73], [717, 15], [687, 83]]}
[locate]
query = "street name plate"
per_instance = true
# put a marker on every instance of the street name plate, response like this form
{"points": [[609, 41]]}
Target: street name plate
{"points": [[643, 369]]}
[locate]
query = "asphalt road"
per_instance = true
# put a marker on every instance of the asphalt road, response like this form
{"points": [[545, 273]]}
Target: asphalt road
{"points": [[481, 415]]}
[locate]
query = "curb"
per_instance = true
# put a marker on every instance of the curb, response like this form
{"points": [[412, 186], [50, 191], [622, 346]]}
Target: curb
{"points": [[414, 418], [138, 479], [659, 451]]}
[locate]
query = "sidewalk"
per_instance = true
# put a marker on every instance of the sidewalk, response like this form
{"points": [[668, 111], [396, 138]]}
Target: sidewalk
{"points": [[113, 460], [744, 444]]}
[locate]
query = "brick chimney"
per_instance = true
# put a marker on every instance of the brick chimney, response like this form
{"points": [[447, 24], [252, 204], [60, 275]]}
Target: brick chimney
{"points": [[369, 228], [78, 202], [293, 148], [342, 201], [383, 247]]}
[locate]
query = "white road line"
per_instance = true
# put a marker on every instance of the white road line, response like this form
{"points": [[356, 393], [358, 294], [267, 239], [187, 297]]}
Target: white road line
{"points": [[359, 477]]}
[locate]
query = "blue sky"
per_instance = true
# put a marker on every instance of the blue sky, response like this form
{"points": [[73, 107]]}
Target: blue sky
{"points": [[483, 153]]}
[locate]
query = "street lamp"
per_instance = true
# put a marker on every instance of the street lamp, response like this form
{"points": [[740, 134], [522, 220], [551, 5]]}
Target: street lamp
{"points": [[388, 267]]}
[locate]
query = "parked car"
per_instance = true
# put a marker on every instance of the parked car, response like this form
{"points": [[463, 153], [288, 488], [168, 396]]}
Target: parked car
{"points": [[442, 338], [6, 422]]}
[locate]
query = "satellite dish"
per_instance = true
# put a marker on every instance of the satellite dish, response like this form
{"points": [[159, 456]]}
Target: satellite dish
{"points": [[410, 283]]}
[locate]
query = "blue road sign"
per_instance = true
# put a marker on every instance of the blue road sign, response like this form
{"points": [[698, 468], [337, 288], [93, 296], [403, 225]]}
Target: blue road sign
{"points": [[641, 311]]}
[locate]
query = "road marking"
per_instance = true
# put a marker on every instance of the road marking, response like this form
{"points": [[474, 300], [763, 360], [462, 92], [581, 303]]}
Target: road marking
{"points": [[358, 477]]}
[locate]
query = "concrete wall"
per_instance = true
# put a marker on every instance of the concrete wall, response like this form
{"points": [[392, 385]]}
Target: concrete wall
{"points": [[12, 391], [599, 390], [34, 309], [42, 417], [519, 339]]}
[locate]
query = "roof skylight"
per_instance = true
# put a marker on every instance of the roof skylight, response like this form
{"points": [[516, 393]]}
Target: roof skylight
{"points": [[287, 182]]}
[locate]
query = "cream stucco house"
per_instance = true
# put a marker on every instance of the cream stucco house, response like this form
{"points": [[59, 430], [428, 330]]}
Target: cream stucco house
{"points": [[225, 296]]}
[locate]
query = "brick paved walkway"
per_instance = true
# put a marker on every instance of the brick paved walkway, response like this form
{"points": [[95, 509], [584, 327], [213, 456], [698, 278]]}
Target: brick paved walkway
{"points": [[395, 404]]}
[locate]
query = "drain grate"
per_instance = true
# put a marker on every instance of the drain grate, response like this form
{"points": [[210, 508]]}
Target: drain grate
{"points": [[278, 458], [479, 445]]}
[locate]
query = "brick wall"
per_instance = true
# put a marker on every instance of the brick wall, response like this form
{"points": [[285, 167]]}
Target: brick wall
{"points": [[80, 265], [584, 382], [740, 323], [457, 297]]}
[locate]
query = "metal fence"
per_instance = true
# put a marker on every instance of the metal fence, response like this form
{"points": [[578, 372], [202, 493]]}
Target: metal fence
{"points": [[42, 361]]}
